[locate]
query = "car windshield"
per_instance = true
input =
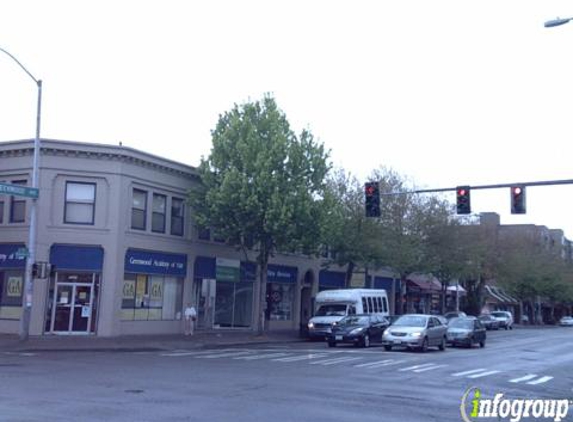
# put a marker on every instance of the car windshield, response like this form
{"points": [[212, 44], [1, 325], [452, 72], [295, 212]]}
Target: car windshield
{"points": [[331, 310], [354, 320], [485, 317], [499, 314], [461, 323], [411, 321]]}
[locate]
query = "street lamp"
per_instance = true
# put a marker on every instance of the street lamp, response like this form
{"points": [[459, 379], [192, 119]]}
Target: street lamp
{"points": [[28, 286], [556, 22]]}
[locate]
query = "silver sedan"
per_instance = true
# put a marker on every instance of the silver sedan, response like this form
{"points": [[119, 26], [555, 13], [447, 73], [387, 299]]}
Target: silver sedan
{"points": [[416, 331]]}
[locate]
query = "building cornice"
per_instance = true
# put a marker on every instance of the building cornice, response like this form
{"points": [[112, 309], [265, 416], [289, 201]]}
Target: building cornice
{"points": [[118, 153]]}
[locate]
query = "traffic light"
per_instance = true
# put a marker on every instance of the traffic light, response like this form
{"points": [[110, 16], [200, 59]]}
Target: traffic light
{"points": [[463, 205], [372, 199], [518, 199]]}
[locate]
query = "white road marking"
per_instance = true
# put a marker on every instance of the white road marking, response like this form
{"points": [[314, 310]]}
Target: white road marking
{"points": [[411, 368], [429, 368], [473, 371], [362, 365], [265, 356], [483, 374], [303, 357], [525, 378], [333, 361], [540, 380], [222, 355]]}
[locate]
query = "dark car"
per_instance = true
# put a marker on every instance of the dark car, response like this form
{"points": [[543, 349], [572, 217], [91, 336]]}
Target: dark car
{"points": [[360, 330], [489, 322], [466, 331]]}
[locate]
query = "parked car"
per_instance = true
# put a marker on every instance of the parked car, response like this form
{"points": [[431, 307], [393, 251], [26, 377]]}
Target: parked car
{"points": [[466, 331], [566, 321], [415, 331], [505, 319], [456, 314], [442, 319], [360, 330], [489, 322]]}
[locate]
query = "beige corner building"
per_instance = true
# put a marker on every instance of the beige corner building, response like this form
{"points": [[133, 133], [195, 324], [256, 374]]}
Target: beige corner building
{"points": [[125, 256]]}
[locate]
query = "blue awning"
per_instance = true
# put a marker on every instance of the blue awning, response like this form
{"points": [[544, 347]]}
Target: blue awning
{"points": [[331, 279], [77, 257], [8, 257]]}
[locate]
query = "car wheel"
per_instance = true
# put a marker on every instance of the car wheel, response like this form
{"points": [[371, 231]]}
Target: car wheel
{"points": [[443, 344], [387, 348], [511, 327], [424, 347], [331, 344], [366, 341], [482, 344]]}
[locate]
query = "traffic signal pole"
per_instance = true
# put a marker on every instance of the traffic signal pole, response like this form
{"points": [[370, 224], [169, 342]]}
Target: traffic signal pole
{"points": [[497, 186]]}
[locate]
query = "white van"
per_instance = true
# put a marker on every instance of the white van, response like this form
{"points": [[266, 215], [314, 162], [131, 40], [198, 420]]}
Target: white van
{"points": [[331, 306]]}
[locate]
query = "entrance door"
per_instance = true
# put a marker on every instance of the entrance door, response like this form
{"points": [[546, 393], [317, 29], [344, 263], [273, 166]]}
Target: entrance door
{"points": [[72, 303], [72, 308]]}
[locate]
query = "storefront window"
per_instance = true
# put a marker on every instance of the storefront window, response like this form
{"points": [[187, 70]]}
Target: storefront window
{"points": [[233, 304], [280, 301], [11, 287], [151, 297]]}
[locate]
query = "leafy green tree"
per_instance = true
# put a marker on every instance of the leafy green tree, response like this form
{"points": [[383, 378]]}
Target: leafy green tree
{"points": [[262, 186]]}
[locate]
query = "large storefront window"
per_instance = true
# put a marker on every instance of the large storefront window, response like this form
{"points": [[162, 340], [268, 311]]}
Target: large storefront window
{"points": [[151, 297], [233, 304], [280, 302], [12, 267], [152, 286], [281, 281]]}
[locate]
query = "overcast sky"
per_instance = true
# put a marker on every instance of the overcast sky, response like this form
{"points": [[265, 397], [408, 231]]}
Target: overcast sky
{"points": [[445, 92]]}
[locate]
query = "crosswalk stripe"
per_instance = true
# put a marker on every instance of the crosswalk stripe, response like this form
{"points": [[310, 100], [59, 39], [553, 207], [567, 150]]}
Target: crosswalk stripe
{"points": [[222, 355], [540, 380], [483, 374], [362, 365], [411, 368], [429, 368], [473, 371], [265, 356], [303, 357], [525, 378], [334, 361]]}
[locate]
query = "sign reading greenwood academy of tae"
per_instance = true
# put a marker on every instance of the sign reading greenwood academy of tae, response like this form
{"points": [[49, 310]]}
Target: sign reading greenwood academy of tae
{"points": [[144, 262]]}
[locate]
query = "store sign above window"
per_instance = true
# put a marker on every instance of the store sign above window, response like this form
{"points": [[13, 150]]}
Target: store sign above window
{"points": [[9, 256], [144, 262], [228, 269]]}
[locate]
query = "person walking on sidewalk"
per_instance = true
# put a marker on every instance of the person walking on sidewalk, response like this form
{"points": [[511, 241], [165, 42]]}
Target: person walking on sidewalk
{"points": [[190, 318]]}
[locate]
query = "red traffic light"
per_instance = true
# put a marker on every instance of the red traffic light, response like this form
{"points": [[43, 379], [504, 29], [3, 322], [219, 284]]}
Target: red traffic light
{"points": [[517, 190], [370, 190]]}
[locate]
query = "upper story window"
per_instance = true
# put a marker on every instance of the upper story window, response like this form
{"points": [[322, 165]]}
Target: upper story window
{"points": [[139, 210], [203, 233], [80, 203], [158, 217], [177, 216], [1, 210], [17, 206]]}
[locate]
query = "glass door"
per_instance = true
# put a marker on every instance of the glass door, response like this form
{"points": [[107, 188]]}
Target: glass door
{"points": [[72, 304]]}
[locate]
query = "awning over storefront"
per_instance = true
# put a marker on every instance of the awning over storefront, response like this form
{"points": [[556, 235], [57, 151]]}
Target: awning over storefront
{"points": [[151, 262], [386, 283], [423, 283], [76, 257], [9, 258], [331, 279], [499, 295]]}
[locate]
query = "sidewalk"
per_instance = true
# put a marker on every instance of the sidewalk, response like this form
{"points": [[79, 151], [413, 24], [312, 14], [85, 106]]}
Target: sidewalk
{"points": [[201, 339]]}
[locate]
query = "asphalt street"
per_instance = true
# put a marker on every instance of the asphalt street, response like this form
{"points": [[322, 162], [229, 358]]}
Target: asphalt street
{"points": [[304, 381]]}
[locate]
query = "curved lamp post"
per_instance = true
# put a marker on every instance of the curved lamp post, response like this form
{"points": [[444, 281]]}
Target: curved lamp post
{"points": [[28, 286], [556, 22]]}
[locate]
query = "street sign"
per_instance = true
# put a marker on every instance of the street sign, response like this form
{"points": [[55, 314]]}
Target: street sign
{"points": [[16, 190]]}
